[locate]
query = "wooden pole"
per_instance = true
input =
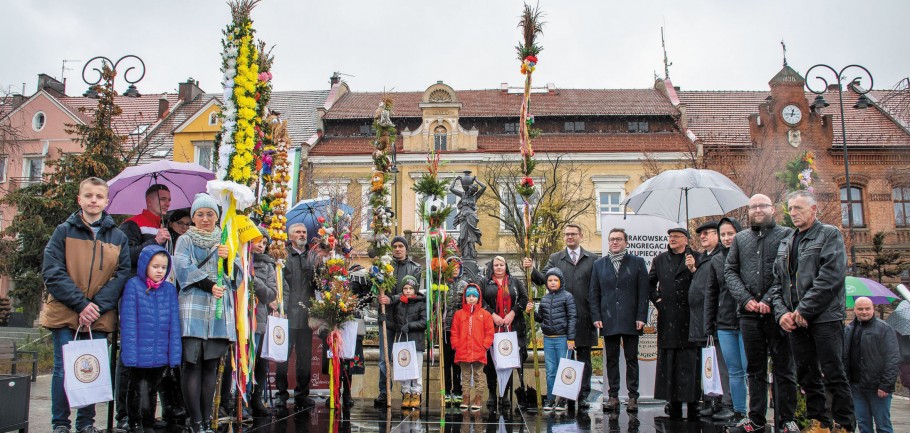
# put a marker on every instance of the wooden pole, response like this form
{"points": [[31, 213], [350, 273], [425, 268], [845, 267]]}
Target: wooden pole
{"points": [[385, 351]]}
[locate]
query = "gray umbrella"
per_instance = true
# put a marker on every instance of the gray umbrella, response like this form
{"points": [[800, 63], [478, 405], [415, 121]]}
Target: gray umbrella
{"points": [[679, 195], [900, 318]]}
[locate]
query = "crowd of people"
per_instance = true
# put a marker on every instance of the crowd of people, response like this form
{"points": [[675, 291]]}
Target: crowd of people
{"points": [[752, 293]]}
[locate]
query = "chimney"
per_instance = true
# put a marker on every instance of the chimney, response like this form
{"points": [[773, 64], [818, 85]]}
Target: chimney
{"points": [[16, 100], [163, 106], [49, 83], [504, 87], [189, 90], [551, 87]]}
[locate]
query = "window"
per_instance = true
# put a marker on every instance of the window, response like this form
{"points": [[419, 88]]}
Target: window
{"points": [[637, 126], [610, 191], [3, 162], [517, 203], [38, 121], [439, 138], [367, 129], [901, 197], [332, 189], [33, 169], [856, 198], [511, 128], [203, 150], [451, 200], [213, 119], [575, 126]]}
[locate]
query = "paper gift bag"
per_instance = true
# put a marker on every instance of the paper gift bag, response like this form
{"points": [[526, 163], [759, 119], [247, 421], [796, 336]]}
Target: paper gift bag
{"points": [[505, 350], [348, 340], [275, 341], [710, 373], [86, 372], [405, 360], [568, 378]]}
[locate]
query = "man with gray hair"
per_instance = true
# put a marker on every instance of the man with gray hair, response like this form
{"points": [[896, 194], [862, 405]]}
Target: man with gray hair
{"points": [[299, 274], [808, 296]]}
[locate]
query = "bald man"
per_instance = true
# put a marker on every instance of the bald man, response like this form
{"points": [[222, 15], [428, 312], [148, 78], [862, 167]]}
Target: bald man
{"points": [[749, 274], [872, 358]]}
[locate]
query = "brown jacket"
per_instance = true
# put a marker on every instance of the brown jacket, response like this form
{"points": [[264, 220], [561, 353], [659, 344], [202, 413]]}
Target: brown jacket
{"points": [[80, 267]]}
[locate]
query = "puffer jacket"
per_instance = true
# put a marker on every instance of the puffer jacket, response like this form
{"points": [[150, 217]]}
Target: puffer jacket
{"points": [[749, 267], [557, 314], [413, 314], [879, 357], [80, 268], [818, 292], [472, 333], [720, 307], [701, 279], [266, 285], [150, 318]]}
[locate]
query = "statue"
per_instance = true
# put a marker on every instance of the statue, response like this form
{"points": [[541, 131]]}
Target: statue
{"points": [[466, 220]]}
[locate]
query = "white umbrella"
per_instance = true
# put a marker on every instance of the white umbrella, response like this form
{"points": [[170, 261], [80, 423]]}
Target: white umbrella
{"points": [[679, 195]]}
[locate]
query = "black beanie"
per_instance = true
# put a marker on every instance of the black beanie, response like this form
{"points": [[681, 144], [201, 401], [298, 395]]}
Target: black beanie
{"points": [[402, 240]]}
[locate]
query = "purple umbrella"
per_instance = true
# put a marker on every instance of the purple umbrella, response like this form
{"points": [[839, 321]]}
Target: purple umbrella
{"points": [[858, 287], [183, 179]]}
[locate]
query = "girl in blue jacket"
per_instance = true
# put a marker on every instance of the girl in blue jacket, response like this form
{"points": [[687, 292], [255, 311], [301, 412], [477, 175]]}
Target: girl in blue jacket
{"points": [[149, 304]]}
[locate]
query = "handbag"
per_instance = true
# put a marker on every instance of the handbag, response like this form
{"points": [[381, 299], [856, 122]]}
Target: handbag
{"points": [[86, 371], [406, 361], [275, 343], [710, 373], [568, 378]]}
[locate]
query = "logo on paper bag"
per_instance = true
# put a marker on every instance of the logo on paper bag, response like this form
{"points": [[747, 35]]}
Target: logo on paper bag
{"points": [[505, 347], [404, 358], [709, 367], [278, 335], [87, 368], [568, 375]]}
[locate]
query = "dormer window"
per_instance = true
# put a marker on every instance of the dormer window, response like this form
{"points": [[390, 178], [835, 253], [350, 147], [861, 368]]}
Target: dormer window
{"points": [[440, 135], [575, 126], [213, 119]]}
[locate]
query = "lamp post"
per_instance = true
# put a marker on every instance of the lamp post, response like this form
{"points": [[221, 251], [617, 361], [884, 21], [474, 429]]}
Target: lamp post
{"points": [[131, 91], [862, 103]]}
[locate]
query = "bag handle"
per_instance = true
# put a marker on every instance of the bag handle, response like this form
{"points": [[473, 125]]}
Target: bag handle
{"points": [[574, 354], [76, 337]]}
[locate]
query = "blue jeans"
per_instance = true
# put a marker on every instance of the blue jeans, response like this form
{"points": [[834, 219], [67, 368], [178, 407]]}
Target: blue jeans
{"points": [[60, 406], [731, 346], [554, 348], [869, 407]]}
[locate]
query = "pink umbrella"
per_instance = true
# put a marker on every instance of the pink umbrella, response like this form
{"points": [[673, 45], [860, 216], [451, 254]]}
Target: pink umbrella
{"points": [[183, 179]]}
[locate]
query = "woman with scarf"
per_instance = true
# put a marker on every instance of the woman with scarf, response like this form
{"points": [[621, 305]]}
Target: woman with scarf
{"points": [[505, 298], [206, 336]]}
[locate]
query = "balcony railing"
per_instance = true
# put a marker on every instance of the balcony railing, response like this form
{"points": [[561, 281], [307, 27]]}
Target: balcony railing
{"points": [[14, 183]]}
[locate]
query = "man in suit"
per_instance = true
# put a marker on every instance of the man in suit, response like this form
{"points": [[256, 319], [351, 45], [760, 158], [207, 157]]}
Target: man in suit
{"points": [[619, 296], [575, 264]]}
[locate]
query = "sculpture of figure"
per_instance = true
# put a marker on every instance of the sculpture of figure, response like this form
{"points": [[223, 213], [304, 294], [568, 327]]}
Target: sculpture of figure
{"points": [[466, 220]]}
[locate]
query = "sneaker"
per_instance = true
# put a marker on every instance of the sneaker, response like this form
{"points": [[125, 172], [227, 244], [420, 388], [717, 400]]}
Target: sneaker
{"points": [[632, 406], [548, 405], [746, 426], [457, 398], [561, 405], [724, 414], [789, 427], [465, 403], [123, 424], [89, 429], [611, 404], [61, 429]]}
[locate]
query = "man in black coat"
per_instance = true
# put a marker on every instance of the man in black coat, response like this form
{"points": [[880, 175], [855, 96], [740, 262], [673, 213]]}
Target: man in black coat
{"points": [[749, 275], [619, 298], [808, 296], [299, 274], [678, 367], [575, 263], [871, 356]]}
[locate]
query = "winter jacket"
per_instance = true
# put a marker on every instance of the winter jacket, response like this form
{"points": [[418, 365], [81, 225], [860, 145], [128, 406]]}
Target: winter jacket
{"points": [[879, 357], [472, 333], [453, 301], [140, 230], [150, 319], [557, 314], [197, 305], [80, 267], [518, 295], [818, 292], [402, 268], [618, 301], [266, 286], [300, 275], [749, 268], [720, 307], [701, 279], [413, 315], [578, 283], [670, 295]]}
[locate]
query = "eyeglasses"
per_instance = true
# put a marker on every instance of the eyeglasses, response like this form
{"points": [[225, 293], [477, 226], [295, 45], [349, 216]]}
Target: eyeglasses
{"points": [[761, 206], [570, 235], [616, 240], [677, 236]]}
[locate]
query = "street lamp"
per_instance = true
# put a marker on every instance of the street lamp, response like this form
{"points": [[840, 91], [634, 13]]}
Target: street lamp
{"points": [[862, 103], [131, 91]]}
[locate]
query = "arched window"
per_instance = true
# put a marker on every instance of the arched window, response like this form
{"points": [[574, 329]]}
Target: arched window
{"points": [[213, 119], [440, 135], [856, 198]]}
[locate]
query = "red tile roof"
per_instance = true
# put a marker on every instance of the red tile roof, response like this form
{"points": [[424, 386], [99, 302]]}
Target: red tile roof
{"points": [[496, 103], [136, 111]]}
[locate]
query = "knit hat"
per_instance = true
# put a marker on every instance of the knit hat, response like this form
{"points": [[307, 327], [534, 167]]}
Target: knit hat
{"points": [[205, 201], [402, 240], [409, 280], [264, 233], [471, 291]]}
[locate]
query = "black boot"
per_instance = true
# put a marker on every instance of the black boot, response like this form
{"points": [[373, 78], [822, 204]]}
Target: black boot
{"points": [[692, 411], [259, 408]]}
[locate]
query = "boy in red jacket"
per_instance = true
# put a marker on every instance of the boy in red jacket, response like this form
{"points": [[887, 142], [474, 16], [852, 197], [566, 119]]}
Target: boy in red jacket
{"points": [[472, 336]]}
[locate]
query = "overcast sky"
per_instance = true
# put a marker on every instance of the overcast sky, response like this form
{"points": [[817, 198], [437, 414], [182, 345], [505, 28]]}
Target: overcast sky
{"points": [[468, 44]]}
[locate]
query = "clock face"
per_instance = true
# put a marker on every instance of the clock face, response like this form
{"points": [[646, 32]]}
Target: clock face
{"points": [[792, 114]]}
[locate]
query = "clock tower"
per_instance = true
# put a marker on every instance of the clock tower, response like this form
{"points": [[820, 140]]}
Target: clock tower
{"points": [[785, 120]]}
